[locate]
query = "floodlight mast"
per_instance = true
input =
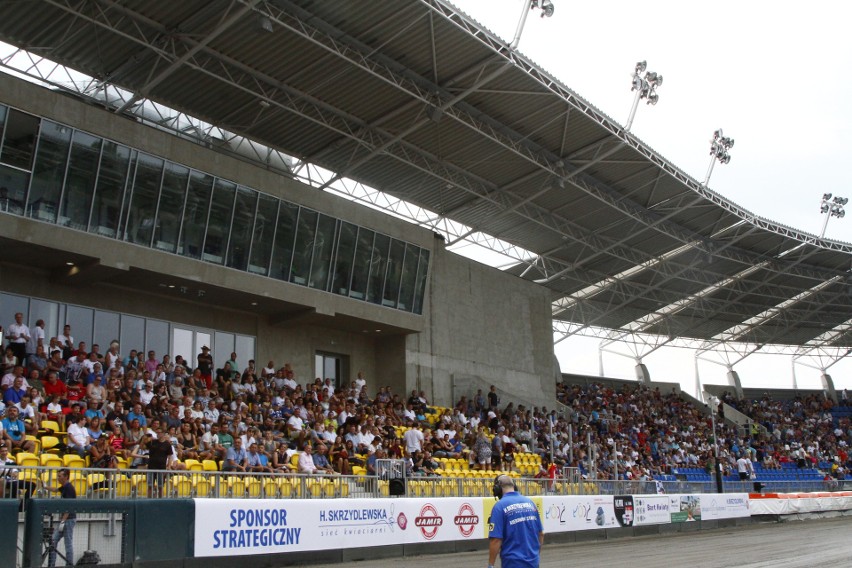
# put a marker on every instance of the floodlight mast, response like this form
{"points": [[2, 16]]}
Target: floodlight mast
{"points": [[831, 207], [719, 147], [546, 12], [645, 84]]}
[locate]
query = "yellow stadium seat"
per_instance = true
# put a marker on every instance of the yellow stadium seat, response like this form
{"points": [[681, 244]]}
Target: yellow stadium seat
{"points": [[26, 459], [270, 488], [254, 487], [285, 485], [180, 486], [237, 486], [50, 444], [123, 487], [81, 486], [51, 460], [209, 465], [193, 465], [202, 487]]}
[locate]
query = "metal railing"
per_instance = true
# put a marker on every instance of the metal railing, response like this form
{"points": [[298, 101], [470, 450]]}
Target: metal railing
{"points": [[147, 484]]}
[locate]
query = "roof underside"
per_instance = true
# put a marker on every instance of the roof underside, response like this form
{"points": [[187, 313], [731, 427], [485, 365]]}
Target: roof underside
{"points": [[415, 99]]}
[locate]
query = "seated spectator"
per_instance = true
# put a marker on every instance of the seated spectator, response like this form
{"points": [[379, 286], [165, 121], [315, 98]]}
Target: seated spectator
{"points": [[235, 457], [79, 440], [15, 431]]}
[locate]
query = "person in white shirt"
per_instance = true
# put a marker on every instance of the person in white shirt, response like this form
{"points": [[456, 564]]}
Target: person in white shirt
{"points": [[148, 394], [18, 335], [37, 338], [360, 381], [413, 439], [744, 468], [78, 436], [66, 340]]}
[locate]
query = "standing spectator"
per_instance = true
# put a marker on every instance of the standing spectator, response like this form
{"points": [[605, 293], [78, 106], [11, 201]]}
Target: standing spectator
{"points": [[36, 338], [493, 398], [205, 365], [66, 521], [18, 335], [66, 342], [744, 468]]}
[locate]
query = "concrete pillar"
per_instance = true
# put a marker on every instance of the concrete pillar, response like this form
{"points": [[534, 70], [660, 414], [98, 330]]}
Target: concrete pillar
{"points": [[734, 381], [642, 374], [828, 387]]}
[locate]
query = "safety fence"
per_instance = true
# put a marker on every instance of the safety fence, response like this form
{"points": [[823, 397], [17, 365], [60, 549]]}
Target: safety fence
{"points": [[92, 483]]}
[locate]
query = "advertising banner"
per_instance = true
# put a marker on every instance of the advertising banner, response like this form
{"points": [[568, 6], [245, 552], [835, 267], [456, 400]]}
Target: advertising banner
{"points": [[684, 508], [578, 513], [231, 527], [724, 505], [651, 510]]}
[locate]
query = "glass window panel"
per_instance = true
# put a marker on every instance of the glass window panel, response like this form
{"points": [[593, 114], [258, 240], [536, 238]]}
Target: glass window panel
{"points": [[195, 215], [323, 246], [19, 139], [378, 268], [49, 171], [156, 337], [182, 345], [13, 189], [319, 363], [49, 312], [409, 275], [107, 329], [223, 346], [420, 282], [285, 235], [343, 259], [394, 273], [11, 304], [264, 228], [170, 209], [241, 228], [132, 334], [3, 111], [112, 180], [304, 246], [361, 265], [221, 211], [245, 351], [80, 181], [146, 191], [82, 322]]}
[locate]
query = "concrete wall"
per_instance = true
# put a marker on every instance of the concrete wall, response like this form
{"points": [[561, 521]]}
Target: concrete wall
{"points": [[479, 326], [487, 328]]}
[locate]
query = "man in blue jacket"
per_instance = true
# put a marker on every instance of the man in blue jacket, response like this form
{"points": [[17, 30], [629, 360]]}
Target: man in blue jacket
{"points": [[514, 528]]}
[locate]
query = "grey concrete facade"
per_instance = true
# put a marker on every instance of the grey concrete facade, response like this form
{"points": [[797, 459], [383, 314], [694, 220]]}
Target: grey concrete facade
{"points": [[479, 326]]}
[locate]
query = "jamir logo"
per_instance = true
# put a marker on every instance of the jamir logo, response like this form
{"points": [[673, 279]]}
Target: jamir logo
{"points": [[428, 521], [466, 520]]}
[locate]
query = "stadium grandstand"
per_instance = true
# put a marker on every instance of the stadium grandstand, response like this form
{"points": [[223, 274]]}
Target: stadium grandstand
{"points": [[230, 227]]}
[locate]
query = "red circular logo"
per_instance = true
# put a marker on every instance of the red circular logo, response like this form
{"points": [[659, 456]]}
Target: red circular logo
{"points": [[428, 521], [466, 520], [402, 521]]}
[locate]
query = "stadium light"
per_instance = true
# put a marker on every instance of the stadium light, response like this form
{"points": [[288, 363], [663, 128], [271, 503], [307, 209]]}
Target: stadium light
{"points": [[645, 84], [831, 208], [719, 147], [546, 7]]}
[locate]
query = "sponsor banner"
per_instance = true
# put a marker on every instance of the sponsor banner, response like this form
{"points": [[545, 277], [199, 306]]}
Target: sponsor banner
{"points": [[724, 505], [684, 508], [578, 513], [232, 527], [651, 510], [623, 505]]}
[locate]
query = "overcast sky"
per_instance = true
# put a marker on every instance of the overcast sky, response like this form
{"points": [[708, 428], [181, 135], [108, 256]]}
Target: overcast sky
{"points": [[776, 76]]}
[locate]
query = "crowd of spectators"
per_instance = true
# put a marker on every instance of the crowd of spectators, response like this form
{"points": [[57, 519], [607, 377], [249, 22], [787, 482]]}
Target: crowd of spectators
{"points": [[247, 418]]}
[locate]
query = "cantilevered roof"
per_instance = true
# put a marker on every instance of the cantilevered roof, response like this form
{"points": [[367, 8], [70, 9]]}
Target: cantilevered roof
{"points": [[415, 99]]}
